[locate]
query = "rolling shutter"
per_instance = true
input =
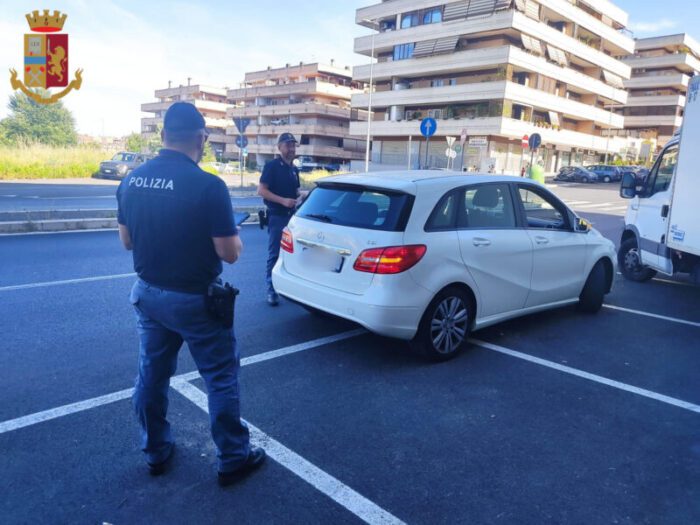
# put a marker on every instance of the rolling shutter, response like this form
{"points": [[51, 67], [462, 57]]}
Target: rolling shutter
{"points": [[455, 11], [613, 80]]}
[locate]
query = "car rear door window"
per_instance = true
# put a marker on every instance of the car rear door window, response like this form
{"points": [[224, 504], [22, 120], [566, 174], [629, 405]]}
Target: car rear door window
{"points": [[358, 207], [444, 216], [542, 211], [487, 206]]}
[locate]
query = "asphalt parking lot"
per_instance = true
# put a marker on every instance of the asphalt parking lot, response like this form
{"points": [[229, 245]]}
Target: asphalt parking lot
{"points": [[553, 418]]}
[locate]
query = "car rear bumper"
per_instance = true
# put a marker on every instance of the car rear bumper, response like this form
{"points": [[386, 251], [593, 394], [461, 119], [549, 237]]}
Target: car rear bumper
{"points": [[373, 311]]}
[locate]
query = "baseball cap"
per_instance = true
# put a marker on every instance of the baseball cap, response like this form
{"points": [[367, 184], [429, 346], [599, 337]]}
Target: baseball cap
{"points": [[183, 117], [286, 137]]}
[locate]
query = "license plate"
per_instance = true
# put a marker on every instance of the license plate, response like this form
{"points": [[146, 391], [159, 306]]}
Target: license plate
{"points": [[325, 260], [108, 171]]}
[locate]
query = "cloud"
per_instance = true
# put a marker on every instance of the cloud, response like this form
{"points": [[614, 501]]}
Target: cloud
{"points": [[653, 27]]}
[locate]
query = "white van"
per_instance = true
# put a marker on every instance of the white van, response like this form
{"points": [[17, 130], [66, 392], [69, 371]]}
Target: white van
{"points": [[662, 224]]}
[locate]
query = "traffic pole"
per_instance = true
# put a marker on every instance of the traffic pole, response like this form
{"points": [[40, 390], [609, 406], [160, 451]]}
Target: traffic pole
{"points": [[427, 146]]}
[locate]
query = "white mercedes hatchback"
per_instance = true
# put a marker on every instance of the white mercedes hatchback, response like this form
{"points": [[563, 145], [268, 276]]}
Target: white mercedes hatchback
{"points": [[429, 257]]}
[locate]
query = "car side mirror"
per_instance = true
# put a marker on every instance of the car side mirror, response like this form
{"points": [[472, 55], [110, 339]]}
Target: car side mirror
{"points": [[628, 187], [582, 225]]}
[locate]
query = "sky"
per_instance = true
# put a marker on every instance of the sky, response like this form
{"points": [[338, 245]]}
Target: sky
{"points": [[130, 48]]}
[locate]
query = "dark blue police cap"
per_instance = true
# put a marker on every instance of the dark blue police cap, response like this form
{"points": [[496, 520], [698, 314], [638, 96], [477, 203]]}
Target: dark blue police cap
{"points": [[286, 137], [183, 117]]}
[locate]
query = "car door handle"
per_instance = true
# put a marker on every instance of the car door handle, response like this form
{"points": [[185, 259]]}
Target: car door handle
{"points": [[541, 240], [480, 241]]}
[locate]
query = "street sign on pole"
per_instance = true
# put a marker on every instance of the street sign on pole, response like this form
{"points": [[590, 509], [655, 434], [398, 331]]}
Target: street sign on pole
{"points": [[535, 141], [526, 141], [241, 124], [245, 152], [428, 127], [463, 137], [451, 141], [458, 148], [242, 141]]}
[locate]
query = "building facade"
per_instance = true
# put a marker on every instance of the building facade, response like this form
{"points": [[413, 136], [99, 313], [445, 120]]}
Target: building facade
{"points": [[312, 101], [210, 101], [661, 70], [495, 71]]}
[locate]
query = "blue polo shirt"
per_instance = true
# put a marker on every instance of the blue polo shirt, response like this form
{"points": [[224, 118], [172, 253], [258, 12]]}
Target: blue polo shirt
{"points": [[283, 180], [172, 209]]}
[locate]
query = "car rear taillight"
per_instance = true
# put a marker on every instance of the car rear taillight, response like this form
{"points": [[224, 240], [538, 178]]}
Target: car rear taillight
{"points": [[287, 243], [394, 259]]}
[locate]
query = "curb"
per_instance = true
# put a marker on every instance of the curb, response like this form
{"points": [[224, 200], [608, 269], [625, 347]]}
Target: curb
{"points": [[40, 221]]}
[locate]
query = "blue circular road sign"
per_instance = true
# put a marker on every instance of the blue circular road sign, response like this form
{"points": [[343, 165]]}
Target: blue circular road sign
{"points": [[535, 141], [428, 127]]}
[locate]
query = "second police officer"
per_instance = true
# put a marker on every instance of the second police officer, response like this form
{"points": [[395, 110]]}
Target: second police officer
{"points": [[280, 189]]}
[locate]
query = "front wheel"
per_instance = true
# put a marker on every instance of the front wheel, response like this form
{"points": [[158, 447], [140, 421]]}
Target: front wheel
{"points": [[607, 179], [630, 262], [593, 293], [585, 180], [444, 329]]}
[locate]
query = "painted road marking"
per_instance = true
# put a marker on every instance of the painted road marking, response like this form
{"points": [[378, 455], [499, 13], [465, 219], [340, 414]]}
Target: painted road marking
{"points": [[655, 316], [353, 501], [80, 406], [66, 281], [591, 377]]}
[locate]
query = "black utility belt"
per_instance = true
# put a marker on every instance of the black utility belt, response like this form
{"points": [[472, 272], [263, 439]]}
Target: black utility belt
{"points": [[221, 302], [281, 213]]}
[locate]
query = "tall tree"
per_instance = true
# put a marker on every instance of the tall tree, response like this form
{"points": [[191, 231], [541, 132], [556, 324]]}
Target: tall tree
{"points": [[28, 121]]}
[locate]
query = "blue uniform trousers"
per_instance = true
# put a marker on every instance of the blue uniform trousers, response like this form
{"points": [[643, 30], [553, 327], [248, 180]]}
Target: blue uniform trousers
{"points": [[165, 319], [276, 224]]}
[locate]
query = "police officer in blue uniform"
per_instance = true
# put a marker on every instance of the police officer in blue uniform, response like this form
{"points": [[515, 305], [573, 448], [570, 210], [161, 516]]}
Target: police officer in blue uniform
{"points": [[280, 189], [179, 222]]}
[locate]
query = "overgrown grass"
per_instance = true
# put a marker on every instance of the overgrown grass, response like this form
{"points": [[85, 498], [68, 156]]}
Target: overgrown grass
{"points": [[37, 161]]}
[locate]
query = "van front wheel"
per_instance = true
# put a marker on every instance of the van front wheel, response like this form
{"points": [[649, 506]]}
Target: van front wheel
{"points": [[630, 262]]}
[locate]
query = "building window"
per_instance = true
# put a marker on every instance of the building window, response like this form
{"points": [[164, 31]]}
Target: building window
{"points": [[453, 82], [432, 16], [403, 51], [438, 82], [409, 20]]}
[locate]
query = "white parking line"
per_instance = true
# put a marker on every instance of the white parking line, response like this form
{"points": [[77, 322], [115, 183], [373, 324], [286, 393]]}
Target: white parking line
{"points": [[80, 406], [655, 316], [353, 501], [574, 203], [591, 377], [67, 281]]}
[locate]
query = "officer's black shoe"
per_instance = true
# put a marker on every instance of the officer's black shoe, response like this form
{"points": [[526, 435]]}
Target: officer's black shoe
{"points": [[273, 299], [256, 457], [158, 469]]}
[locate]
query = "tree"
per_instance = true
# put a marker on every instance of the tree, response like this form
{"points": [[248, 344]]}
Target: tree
{"points": [[28, 121]]}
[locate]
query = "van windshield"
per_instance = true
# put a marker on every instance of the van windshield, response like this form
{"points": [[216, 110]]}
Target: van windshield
{"points": [[358, 207]]}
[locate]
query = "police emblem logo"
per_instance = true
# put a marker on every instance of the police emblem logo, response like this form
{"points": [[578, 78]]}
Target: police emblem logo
{"points": [[46, 59], [693, 90]]}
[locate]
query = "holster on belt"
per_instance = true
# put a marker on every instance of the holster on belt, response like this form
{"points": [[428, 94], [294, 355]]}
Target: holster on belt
{"points": [[221, 302]]}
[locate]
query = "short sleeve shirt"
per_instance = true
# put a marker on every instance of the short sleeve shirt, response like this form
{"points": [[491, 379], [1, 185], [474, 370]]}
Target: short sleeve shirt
{"points": [[281, 179], [172, 209]]}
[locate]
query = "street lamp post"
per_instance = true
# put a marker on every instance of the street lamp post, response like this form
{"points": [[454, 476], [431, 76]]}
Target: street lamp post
{"points": [[369, 108]]}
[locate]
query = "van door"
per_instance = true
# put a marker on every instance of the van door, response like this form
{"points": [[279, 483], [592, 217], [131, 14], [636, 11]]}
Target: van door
{"points": [[653, 210]]}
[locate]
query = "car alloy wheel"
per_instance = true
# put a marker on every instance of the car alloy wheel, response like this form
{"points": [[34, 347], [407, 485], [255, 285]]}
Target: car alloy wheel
{"points": [[607, 179], [449, 325]]}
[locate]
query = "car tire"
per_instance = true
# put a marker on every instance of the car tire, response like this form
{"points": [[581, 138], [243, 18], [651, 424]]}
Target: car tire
{"points": [[444, 329], [629, 261], [591, 299], [585, 180], [607, 179]]}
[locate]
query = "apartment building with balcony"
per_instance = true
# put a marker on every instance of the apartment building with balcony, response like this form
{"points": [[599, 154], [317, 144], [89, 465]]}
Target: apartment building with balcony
{"points": [[497, 70], [312, 101], [661, 70], [210, 101]]}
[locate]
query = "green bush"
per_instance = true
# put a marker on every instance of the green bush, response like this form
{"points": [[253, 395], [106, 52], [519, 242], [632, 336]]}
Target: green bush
{"points": [[36, 161]]}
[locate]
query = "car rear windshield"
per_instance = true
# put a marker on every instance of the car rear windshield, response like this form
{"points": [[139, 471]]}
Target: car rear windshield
{"points": [[358, 207]]}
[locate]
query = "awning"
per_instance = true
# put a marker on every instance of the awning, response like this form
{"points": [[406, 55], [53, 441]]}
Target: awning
{"points": [[554, 118], [532, 44], [613, 80], [557, 55], [446, 45], [455, 11], [424, 48], [532, 9]]}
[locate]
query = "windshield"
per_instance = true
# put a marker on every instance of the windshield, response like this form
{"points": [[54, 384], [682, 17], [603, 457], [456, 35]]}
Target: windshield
{"points": [[124, 157], [357, 206]]}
